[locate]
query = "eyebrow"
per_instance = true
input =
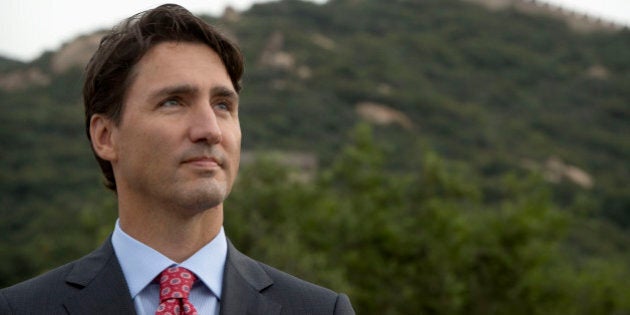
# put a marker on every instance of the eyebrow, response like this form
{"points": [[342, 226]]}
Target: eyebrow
{"points": [[217, 91], [223, 91], [173, 90]]}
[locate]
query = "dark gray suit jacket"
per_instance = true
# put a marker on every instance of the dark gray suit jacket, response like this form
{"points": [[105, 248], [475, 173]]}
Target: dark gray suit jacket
{"points": [[95, 284]]}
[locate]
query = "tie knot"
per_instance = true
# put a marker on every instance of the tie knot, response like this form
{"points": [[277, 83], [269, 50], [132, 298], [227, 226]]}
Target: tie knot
{"points": [[175, 283]]}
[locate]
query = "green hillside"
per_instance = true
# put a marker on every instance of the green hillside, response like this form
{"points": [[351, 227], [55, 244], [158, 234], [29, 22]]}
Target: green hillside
{"points": [[489, 89], [7, 64], [474, 161]]}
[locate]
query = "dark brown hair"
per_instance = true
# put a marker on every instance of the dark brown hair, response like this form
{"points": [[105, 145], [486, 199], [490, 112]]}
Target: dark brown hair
{"points": [[110, 71]]}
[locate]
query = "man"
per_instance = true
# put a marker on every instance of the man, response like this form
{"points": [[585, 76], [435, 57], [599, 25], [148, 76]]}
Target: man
{"points": [[161, 102]]}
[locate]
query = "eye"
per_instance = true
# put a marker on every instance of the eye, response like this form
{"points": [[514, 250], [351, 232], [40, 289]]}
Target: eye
{"points": [[171, 102], [222, 105]]}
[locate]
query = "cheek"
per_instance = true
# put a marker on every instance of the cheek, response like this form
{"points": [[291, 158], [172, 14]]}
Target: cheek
{"points": [[146, 145], [237, 148], [233, 148], [238, 141], [232, 139]]}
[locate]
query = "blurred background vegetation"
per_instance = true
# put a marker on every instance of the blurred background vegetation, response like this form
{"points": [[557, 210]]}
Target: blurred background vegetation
{"points": [[423, 156]]}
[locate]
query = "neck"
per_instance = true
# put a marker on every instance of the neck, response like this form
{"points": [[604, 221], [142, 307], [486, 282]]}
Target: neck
{"points": [[175, 235]]}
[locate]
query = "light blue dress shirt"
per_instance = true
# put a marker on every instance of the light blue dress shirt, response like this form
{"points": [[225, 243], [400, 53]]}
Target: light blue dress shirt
{"points": [[141, 264]]}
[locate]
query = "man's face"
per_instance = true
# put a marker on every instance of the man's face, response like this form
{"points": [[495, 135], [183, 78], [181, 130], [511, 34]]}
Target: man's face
{"points": [[178, 142]]}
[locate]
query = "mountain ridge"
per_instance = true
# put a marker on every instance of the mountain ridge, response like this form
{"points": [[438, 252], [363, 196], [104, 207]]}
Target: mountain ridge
{"points": [[576, 20]]}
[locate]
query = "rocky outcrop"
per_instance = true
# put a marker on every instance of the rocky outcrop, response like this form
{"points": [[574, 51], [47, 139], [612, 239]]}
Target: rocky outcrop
{"points": [[76, 53], [323, 42], [598, 72], [21, 79], [302, 166], [555, 170], [231, 15], [380, 114], [274, 56], [579, 22]]}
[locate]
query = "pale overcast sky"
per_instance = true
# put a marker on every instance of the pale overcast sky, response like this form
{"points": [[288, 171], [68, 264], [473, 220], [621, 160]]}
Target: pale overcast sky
{"points": [[29, 27]]}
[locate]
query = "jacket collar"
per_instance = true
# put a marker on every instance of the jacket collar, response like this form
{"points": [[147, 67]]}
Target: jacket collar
{"points": [[103, 289], [101, 283], [244, 280]]}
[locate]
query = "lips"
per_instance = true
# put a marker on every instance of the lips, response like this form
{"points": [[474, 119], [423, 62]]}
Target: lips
{"points": [[203, 162], [202, 156]]}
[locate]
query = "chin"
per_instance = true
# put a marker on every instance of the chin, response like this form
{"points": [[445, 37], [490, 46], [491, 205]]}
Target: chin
{"points": [[204, 198]]}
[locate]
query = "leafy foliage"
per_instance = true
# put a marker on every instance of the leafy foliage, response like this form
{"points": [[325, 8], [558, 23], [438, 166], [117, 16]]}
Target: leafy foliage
{"points": [[421, 242]]}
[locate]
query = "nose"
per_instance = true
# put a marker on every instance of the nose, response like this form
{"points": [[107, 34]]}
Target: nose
{"points": [[204, 125]]}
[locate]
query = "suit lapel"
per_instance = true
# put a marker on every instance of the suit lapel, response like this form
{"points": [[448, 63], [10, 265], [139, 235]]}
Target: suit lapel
{"points": [[103, 289], [243, 282]]}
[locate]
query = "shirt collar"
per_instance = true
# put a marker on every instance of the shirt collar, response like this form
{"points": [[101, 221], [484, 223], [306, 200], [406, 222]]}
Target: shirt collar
{"points": [[141, 264]]}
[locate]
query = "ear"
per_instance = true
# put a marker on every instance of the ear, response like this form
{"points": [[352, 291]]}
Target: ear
{"points": [[102, 132]]}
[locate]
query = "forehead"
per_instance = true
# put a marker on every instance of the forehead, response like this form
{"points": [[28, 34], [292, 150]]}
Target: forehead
{"points": [[178, 63]]}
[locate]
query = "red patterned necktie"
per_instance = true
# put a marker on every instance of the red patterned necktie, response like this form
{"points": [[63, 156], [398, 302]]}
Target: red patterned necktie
{"points": [[175, 285]]}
